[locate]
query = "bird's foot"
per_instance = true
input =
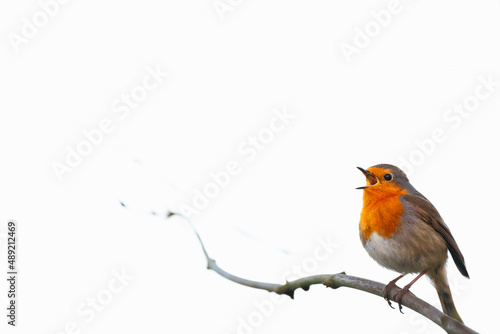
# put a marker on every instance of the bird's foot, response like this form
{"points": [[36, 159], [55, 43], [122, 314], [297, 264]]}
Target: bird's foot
{"points": [[387, 289], [399, 295]]}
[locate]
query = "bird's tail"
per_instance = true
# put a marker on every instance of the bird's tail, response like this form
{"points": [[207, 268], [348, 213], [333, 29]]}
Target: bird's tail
{"points": [[440, 282]]}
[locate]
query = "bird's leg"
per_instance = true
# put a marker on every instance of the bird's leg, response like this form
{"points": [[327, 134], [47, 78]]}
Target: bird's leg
{"points": [[406, 289], [389, 286]]}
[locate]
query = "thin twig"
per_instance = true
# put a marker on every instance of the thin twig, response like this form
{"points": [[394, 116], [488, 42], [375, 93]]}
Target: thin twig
{"points": [[335, 281]]}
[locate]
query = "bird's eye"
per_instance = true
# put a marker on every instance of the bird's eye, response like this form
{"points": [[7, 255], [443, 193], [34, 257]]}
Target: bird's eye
{"points": [[388, 177]]}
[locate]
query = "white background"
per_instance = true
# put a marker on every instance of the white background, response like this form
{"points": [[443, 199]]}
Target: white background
{"points": [[227, 73]]}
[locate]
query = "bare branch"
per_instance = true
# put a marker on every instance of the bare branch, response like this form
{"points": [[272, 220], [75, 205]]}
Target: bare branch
{"points": [[335, 281]]}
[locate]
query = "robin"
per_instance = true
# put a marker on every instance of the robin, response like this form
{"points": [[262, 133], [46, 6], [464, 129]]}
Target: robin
{"points": [[403, 231]]}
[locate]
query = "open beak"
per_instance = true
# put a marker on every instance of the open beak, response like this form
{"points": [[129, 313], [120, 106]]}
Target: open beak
{"points": [[370, 178]]}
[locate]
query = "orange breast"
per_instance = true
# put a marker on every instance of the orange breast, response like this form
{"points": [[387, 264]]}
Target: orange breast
{"points": [[381, 211]]}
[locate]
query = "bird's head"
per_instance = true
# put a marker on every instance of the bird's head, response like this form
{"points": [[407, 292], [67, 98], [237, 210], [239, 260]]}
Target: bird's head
{"points": [[384, 178]]}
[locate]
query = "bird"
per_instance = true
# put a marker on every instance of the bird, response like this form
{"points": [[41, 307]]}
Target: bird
{"points": [[402, 231]]}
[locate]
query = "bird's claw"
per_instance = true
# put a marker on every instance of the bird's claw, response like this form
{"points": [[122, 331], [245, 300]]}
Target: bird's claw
{"points": [[399, 295], [388, 301], [386, 290]]}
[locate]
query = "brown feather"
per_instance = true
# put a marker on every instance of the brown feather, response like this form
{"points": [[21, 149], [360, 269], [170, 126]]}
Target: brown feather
{"points": [[430, 215]]}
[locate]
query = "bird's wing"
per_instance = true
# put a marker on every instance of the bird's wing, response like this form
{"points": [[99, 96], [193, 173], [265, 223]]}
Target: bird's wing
{"points": [[430, 215]]}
